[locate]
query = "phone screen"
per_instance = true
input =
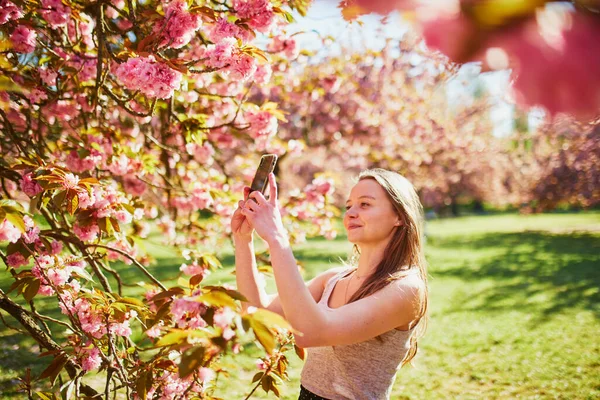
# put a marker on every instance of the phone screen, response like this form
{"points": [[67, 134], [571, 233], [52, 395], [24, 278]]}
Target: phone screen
{"points": [[261, 178]]}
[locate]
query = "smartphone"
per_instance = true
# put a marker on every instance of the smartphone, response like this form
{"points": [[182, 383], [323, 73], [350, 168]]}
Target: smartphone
{"points": [[261, 178]]}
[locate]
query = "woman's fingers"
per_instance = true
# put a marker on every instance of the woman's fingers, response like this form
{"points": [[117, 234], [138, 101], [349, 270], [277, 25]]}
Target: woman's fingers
{"points": [[246, 192], [257, 197], [272, 189]]}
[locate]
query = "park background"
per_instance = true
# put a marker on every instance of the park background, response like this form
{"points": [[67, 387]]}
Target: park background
{"points": [[511, 194]]}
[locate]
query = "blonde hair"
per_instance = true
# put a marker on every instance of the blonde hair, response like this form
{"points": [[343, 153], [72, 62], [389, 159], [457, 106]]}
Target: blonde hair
{"points": [[404, 251]]}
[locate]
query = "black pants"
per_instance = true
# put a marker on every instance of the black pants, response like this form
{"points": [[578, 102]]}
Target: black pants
{"points": [[306, 394]]}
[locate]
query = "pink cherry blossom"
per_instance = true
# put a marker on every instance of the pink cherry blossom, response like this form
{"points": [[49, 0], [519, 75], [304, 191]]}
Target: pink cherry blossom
{"points": [[194, 269], [133, 185], [9, 232], [262, 123], [86, 233], [550, 72], [91, 360], [243, 67], [30, 187], [36, 96], [224, 29], [179, 25], [48, 76], [85, 199], [223, 317], [57, 276], [123, 216], [263, 73], [447, 33], [70, 181], [259, 13], [16, 260], [77, 164], [206, 374], [55, 12], [203, 154], [285, 45], [154, 79], [221, 55], [9, 12], [23, 39]]}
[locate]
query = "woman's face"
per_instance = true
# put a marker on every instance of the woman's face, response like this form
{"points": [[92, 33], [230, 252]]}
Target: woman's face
{"points": [[370, 216]]}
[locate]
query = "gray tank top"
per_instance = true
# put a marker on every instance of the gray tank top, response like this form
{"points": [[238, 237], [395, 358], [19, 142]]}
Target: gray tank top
{"points": [[360, 371]]}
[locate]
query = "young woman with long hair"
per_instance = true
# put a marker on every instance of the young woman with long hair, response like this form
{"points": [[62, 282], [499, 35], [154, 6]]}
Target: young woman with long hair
{"points": [[360, 322]]}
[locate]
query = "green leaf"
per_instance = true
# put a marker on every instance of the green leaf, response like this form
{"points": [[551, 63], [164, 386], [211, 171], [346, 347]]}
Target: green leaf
{"points": [[11, 206], [132, 302], [264, 335], [257, 377], [218, 299], [191, 360], [17, 221], [31, 289], [54, 368], [271, 319]]}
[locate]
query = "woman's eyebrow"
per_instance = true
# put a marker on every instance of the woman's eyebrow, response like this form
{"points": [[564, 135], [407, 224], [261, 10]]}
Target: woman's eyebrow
{"points": [[365, 196]]}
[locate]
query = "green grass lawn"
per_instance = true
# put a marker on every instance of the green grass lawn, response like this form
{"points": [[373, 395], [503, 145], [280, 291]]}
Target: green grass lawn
{"points": [[514, 312]]}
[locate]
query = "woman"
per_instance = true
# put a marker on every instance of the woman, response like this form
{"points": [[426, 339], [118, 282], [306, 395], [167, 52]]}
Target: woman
{"points": [[359, 323]]}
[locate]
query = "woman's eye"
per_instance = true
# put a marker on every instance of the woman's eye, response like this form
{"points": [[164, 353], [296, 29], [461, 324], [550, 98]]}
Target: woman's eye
{"points": [[348, 207], [364, 204]]}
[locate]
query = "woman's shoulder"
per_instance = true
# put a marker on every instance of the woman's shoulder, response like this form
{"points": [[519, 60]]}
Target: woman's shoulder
{"points": [[326, 275], [411, 281]]}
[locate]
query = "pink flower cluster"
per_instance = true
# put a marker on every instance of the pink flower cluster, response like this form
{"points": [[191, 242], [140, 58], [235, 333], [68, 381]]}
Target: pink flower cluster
{"points": [[9, 11], [288, 46], [202, 153], [48, 76], [90, 358], [262, 123], [149, 76], [54, 271], [227, 56], [194, 269], [90, 318], [9, 232], [55, 12], [224, 29], [171, 386], [23, 39], [187, 313], [30, 187], [258, 13], [179, 26], [199, 199]]}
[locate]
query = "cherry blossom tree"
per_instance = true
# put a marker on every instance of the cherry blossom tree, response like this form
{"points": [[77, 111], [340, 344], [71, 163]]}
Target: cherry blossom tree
{"points": [[119, 118]]}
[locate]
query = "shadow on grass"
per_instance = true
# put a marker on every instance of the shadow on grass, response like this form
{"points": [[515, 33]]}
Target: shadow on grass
{"points": [[533, 269]]}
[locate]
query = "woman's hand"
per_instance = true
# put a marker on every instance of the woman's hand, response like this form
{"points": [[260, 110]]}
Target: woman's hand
{"points": [[264, 214], [240, 226]]}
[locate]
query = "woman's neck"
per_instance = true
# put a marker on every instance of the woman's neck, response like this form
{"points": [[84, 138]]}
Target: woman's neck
{"points": [[370, 257]]}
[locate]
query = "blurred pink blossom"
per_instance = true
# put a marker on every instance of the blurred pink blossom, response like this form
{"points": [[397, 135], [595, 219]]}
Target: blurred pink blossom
{"points": [[55, 12], [259, 13], [262, 123], [23, 39], [9, 11], [133, 185], [16, 260], [179, 25], [30, 187], [86, 233], [224, 29]]}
